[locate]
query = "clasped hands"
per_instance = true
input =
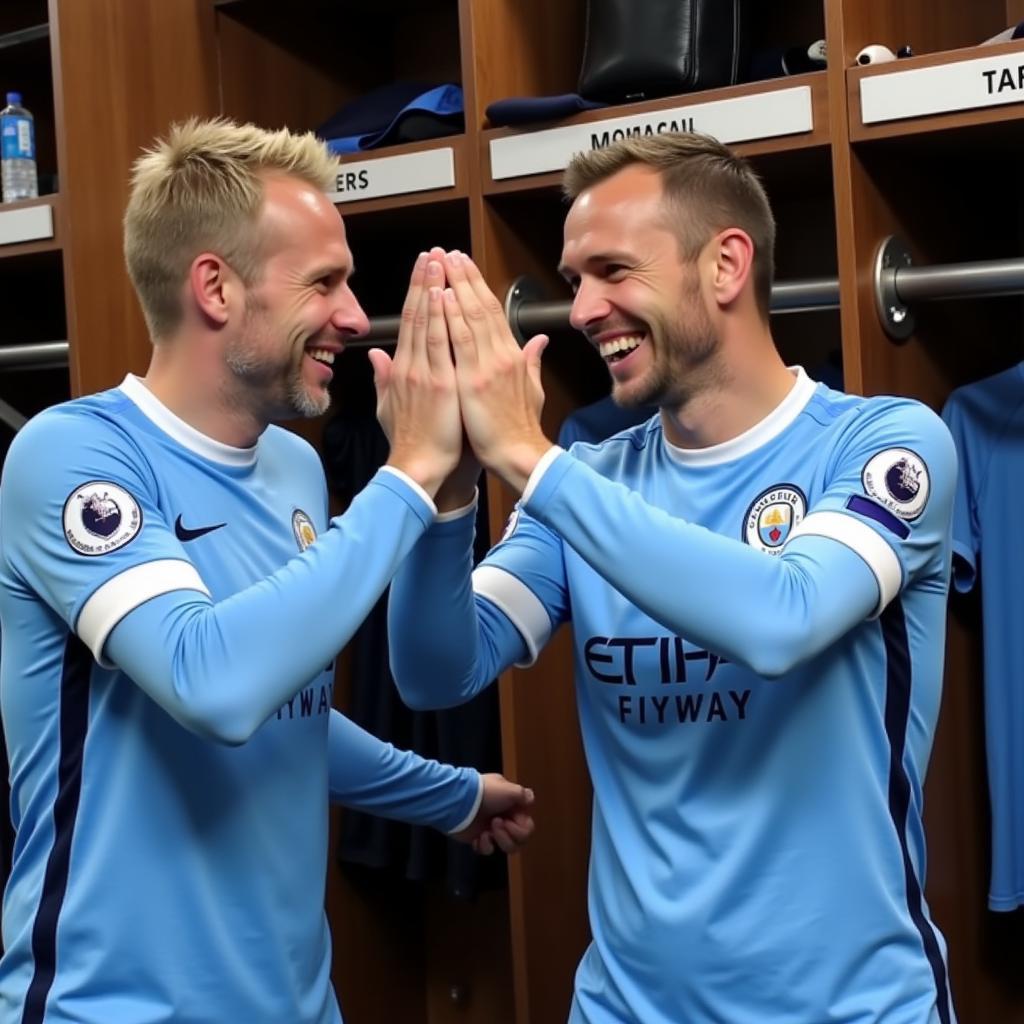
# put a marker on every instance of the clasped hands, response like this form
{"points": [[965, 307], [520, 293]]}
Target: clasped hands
{"points": [[459, 393]]}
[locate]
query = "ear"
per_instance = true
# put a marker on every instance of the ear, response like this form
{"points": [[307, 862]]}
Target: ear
{"points": [[214, 287], [733, 252]]}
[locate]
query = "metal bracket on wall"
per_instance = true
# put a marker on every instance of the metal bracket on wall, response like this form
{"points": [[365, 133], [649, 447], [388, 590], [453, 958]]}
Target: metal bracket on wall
{"points": [[894, 313], [899, 284], [524, 291]]}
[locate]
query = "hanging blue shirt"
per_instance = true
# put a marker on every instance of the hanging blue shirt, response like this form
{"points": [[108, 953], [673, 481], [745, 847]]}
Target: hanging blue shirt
{"points": [[987, 422]]}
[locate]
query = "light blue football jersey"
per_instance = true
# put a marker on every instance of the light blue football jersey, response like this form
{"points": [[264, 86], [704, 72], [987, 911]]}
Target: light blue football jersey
{"points": [[987, 423], [758, 632], [170, 857]]}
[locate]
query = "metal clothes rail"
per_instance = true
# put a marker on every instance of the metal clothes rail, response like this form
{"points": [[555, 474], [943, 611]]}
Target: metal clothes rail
{"points": [[897, 285]]}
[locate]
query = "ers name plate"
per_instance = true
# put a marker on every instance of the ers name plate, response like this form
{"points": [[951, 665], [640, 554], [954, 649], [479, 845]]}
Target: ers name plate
{"points": [[761, 115], [962, 85], [395, 175]]}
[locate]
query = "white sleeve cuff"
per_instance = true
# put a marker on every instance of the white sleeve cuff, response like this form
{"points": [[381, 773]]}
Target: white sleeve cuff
{"points": [[468, 820], [522, 606], [539, 470], [860, 538], [125, 592]]}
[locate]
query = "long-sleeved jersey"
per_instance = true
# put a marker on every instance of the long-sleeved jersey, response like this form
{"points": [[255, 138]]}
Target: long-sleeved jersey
{"points": [[758, 631], [171, 608]]}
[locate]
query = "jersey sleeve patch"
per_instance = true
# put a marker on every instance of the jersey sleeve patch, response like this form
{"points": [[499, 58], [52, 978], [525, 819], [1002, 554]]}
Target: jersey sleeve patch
{"points": [[872, 510], [772, 516], [100, 517], [898, 479]]}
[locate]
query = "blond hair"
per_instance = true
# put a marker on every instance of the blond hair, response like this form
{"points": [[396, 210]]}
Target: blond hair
{"points": [[201, 189], [706, 187]]}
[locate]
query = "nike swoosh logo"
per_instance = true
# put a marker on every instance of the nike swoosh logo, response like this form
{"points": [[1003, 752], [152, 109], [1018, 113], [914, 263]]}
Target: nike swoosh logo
{"points": [[183, 533]]}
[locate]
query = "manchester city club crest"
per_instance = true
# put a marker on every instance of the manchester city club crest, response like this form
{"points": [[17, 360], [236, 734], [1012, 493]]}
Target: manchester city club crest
{"points": [[772, 517], [303, 528], [99, 517], [898, 478]]}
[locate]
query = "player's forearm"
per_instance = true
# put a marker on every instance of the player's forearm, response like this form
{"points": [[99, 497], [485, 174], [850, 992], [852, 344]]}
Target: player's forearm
{"points": [[433, 631], [367, 774], [222, 669], [768, 613]]}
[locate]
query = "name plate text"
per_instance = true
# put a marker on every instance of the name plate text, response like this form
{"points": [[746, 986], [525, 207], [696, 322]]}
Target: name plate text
{"points": [[395, 175], [964, 85], [761, 115]]}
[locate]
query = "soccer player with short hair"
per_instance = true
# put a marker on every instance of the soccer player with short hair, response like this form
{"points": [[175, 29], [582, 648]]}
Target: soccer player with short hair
{"points": [[172, 597], [756, 580]]}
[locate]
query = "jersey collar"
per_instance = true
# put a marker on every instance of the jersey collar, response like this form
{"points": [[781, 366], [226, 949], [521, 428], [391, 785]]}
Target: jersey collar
{"points": [[756, 436], [187, 436]]}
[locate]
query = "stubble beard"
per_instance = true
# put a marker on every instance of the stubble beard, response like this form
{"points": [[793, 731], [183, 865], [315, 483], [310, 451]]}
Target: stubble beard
{"points": [[304, 402], [289, 399], [684, 364]]}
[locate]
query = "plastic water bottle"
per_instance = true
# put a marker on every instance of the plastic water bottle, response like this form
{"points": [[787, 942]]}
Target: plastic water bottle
{"points": [[18, 154]]}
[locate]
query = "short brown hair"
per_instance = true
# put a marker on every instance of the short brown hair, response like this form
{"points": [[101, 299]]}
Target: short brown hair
{"points": [[705, 184], [201, 188]]}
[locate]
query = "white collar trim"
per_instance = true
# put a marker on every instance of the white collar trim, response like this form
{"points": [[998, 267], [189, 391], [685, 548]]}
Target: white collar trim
{"points": [[756, 436], [187, 436]]}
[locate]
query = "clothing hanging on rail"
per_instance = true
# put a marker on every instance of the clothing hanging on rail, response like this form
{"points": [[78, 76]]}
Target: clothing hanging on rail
{"points": [[354, 447], [987, 422]]}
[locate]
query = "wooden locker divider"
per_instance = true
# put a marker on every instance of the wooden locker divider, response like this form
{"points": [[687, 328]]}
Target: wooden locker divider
{"points": [[115, 73]]}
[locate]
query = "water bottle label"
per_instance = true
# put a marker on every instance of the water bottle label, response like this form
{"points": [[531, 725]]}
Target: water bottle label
{"points": [[17, 140]]}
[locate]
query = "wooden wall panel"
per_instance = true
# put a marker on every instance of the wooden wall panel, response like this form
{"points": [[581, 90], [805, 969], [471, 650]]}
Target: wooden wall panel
{"points": [[468, 959], [126, 70], [925, 25], [529, 48], [253, 68]]}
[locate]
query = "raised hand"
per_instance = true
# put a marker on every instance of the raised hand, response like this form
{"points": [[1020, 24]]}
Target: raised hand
{"points": [[499, 383], [417, 402]]}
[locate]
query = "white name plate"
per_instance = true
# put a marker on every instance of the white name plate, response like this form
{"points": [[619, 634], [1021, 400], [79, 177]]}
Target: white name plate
{"points": [[395, 175], [966, 84], [762, 115], [26, 225]]}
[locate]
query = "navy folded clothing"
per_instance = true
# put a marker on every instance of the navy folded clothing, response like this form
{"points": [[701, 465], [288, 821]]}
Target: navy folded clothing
{"points": [[530, 109], [397, 112]]}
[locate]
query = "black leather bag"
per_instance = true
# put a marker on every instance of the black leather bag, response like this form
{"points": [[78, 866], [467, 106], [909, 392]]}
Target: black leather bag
{"points": [[641, 49]]}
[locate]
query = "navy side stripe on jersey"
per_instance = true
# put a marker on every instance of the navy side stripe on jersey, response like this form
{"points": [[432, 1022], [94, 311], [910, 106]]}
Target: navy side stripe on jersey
{"points": [[74, 717], [897, 716]]}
